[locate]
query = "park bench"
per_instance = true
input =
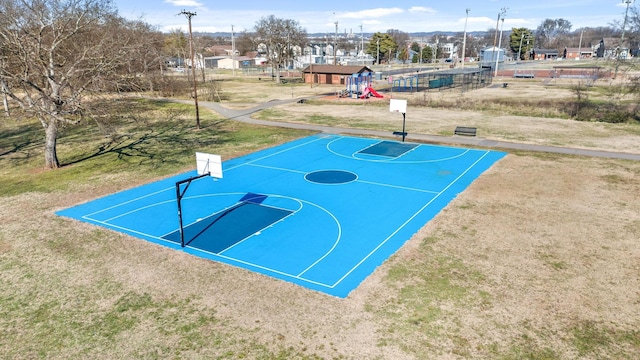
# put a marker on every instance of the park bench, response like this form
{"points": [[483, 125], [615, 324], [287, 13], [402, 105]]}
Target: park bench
{"points": [[524, 75], [465, 130]]}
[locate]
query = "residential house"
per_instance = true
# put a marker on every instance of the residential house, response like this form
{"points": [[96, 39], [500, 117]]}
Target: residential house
{"points": [[578, 53], [544, 54]]}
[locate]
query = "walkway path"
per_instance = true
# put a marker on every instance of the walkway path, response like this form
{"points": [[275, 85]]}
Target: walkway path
{"points": [[244, 115]]}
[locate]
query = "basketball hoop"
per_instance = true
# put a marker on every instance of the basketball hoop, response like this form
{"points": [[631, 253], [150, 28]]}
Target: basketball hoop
{"points": [[399, 106]]}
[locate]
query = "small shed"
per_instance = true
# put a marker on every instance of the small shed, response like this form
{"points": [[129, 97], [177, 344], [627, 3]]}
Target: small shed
{"points": [[331, 74], [489, 56]]}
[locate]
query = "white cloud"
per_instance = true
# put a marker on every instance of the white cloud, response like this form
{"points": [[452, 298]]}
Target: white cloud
{"points": [[422, 9], [185, 3], [371, 22], [371, 13]]}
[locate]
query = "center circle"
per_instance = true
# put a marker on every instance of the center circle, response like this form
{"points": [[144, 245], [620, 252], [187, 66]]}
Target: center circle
{"points": [[331, 177]]}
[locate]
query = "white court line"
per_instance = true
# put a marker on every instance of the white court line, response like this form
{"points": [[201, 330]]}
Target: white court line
{"points": [[276, 153], [335, 244], [132, 200], [107, 225], [409, 220], [398, 187], [277, 168], [138, 209], [263, 268]]}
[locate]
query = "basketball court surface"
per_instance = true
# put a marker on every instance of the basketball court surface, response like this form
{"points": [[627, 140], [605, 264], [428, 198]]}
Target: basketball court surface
{"points": [[322, 212]]}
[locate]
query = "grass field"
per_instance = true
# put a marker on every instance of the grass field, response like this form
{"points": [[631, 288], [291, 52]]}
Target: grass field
{"points": [[538, 259]]}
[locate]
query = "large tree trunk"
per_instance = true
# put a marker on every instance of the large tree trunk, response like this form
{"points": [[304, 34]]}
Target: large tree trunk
{"points": [[5, 101], [277, 71], [50, 153]]}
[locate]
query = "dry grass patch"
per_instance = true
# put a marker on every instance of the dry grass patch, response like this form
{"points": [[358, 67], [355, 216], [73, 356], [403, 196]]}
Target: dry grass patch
{"points": [[538, 258]]}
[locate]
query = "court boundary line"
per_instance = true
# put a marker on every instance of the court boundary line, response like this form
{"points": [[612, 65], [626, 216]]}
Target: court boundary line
{"points": [[131, 200], [410, 219]]}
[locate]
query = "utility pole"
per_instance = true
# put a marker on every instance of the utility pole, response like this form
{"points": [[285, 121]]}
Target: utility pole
{"points": [[189, 15], [378, 53], [311, 63], [495, 39], [501, 17], [624, 26], [520, 47], [464, 40], [580, 45], [335, 46], [233, 51], [362, 43]]}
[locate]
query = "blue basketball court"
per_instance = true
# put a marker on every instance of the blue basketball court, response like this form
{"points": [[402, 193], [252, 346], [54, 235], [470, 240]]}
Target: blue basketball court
{"points": [[321, 212]]}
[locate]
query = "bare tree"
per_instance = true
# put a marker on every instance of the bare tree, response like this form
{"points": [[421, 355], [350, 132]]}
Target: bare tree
{"points": [[278, 37], [176, 44], [551, 30], [57, 51], [246, 42], [401, 38]]}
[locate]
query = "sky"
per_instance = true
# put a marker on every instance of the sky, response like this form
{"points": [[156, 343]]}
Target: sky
{"points": [[373, 15]]}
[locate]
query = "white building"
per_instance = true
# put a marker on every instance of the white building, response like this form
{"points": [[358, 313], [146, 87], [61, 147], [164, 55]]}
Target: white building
{"points": [[239, 62]]}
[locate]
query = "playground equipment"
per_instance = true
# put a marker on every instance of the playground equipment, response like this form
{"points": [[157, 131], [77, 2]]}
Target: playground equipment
{"points": [[369, 91], [359, 86], [408, 83]]}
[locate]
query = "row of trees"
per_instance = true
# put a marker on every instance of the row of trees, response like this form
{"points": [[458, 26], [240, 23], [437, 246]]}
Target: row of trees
{"points": [[55, 53]]}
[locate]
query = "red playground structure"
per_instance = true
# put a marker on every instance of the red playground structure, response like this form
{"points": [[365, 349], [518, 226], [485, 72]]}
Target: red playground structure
{"points": [[360, 86]]}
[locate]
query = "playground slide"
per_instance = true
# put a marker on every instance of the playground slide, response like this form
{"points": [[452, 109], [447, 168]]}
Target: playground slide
{"points": [[370, 91], [373, 92]]}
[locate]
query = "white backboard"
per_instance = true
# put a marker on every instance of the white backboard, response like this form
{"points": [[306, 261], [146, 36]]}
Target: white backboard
{"points": [[398, 105], [209, 163]]}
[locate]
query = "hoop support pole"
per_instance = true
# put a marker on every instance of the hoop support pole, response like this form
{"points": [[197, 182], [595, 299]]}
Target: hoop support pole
{"points": [[179, 195]]}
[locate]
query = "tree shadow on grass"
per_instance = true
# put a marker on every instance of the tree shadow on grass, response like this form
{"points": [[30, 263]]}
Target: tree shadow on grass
{"points": [[19, 139], [158, 144]]}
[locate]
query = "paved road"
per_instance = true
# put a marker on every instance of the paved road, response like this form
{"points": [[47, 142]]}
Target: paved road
{"points": [[244, 115]]}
